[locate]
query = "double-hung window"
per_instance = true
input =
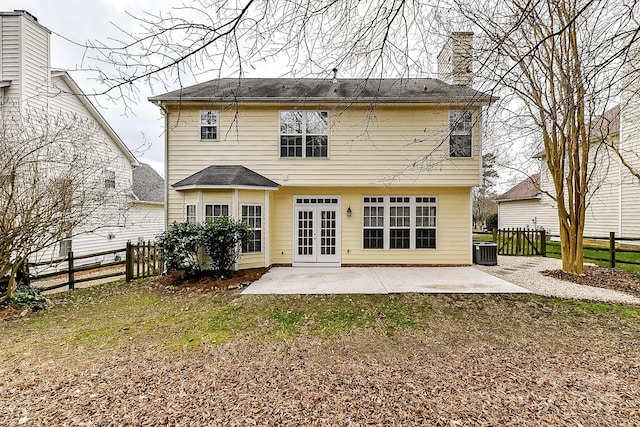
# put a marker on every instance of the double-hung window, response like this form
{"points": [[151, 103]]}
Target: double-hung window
{"points": [[191, 213], [109, 179], [208, 124], [304, 134], [425, 222], [252, 215], [373, 223], [211, 212], [399, 222], [460, 132]]}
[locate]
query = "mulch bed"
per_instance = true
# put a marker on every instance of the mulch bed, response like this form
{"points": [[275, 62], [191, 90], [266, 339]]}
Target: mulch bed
{"points": [[205, 281], [602, 277]]}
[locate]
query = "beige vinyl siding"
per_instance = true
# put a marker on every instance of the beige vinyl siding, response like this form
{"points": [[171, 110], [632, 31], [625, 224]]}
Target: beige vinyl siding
{"points": [[378, 147], [453, 232]]}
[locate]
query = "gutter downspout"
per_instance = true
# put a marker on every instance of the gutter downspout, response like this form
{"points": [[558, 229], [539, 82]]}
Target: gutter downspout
{"points": [[165, 113]]}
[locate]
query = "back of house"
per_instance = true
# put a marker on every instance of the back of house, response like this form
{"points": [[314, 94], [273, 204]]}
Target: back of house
{"points": [[332, 172]]}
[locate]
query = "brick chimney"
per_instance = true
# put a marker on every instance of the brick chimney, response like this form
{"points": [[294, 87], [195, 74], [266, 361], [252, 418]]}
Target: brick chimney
{"points": [[454, 60]]}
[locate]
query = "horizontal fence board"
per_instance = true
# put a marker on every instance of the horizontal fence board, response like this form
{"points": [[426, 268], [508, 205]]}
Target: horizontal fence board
{"points": [[141, 260], [102, 276]]}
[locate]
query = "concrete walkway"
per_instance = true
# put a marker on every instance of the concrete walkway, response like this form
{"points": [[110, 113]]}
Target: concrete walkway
{"points": [[379, 280]]}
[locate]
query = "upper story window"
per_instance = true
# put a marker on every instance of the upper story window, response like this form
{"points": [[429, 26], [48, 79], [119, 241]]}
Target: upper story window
{"points": [[460, 127], [208, 124], [304, 134], [109, 179]]}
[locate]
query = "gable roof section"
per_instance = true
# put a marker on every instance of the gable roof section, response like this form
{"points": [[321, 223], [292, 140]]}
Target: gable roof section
{"points": [[93, 111], [605, 125], [525, 190], [323, 90], [226, 177], [146, 184]]}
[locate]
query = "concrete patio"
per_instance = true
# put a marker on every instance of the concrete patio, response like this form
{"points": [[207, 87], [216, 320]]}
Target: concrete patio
{"points": [[379, 280]]}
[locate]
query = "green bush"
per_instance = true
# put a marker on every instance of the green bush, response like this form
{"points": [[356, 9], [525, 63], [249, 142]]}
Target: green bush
{"points": [[182, 243], [30, 297], [179, 247], [221, 240], [492, 221]]}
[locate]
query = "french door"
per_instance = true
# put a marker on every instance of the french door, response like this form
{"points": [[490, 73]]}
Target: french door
{"points": [[316, 231]]}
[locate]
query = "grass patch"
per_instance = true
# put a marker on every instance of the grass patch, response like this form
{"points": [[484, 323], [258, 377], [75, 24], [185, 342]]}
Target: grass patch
{"points": [[120, 315], [599, 255]]}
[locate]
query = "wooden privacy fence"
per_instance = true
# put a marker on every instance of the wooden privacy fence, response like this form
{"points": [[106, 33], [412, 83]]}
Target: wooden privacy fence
{"points": [[520, 242], [140, 260]]}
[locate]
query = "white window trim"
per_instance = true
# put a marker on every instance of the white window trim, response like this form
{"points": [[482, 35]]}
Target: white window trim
{"points": [[261, 225], [387, 222], [303, 134], [217, 125], [449, 134]]}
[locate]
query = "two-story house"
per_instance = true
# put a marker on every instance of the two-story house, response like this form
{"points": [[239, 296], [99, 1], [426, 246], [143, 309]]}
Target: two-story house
{"points": [[614, 193], [332, 172], [31, 89]]}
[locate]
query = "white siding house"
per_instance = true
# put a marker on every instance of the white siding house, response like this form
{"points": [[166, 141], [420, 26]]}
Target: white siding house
{"points": [[28, 84], [614, 195]]}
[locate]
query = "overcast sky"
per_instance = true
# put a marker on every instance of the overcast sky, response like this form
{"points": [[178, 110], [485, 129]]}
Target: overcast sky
{"points": [[141, 125]]}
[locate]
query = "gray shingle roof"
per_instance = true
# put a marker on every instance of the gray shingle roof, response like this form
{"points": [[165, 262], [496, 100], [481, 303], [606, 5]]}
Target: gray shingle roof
{"points": [[323, 90], [226, 176], [527, 189], [146, 184]]}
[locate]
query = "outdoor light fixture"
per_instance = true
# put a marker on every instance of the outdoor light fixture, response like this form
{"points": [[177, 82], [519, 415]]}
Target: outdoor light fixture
{"points": [[349, 211]]}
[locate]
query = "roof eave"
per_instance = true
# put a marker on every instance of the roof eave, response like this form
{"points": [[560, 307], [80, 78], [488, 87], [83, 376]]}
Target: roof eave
{"points": [[222, 187], [518, 199]]}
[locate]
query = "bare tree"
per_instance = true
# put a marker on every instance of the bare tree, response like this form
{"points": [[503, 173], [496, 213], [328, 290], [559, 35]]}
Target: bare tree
{"points": [[52, 185], [484, 203], [562, 61]]}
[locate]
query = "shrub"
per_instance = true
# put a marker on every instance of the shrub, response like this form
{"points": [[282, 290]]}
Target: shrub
{"points": [[221, 240], [179, 247], [30, 297], [492, 221]]}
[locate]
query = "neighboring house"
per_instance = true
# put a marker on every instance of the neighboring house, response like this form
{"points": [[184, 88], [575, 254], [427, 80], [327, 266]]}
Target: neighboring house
{"points": [[28, 85], [332, 172], [614, 197]]}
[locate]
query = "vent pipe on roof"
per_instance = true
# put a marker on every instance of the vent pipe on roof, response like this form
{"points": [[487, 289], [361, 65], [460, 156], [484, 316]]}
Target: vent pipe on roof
{"points": [[335, 75]]}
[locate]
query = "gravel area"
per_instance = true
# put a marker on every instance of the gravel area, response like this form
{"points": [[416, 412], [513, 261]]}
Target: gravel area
{"points": [[526, 272]]}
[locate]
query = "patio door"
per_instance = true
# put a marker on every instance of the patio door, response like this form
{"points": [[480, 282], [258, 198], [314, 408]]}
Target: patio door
{"points": [[316, 231]]}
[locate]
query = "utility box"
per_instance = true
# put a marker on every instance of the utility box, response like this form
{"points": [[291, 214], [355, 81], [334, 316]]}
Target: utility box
{"points": [[485, 253]]}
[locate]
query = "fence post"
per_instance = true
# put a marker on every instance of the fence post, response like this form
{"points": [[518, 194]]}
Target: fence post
{"points": [[494, 232], [72, 283], [543, 243], [128, 264], [612, 249]]}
